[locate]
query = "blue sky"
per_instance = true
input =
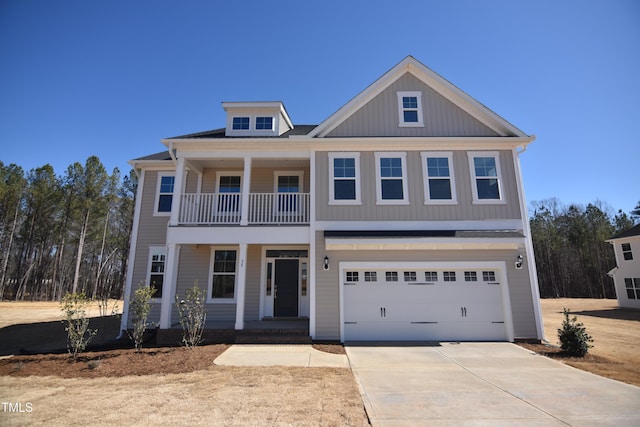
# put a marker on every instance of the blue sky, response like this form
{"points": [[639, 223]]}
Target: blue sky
{"points": [[112, 78]]}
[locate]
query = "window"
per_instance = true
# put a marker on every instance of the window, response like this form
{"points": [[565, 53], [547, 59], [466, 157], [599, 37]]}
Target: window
{"points": [[264, 123], [164, 194], [288, 184], [391, 276], [431, 276], [370, 276], [391, 183], [223, 276], [344, 178], [228, 189], [488, 276], [439, 180], [352, 276], [410, 109], [633, 287], [240, 123], [449, 276], [470, 276], [485, 177], [626, 251], [410, 276], [155, 277]]}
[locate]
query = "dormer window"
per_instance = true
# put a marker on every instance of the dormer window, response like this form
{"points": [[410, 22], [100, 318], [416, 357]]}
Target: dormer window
{"points": [[410, 109], [241, 123], [264, 123]]}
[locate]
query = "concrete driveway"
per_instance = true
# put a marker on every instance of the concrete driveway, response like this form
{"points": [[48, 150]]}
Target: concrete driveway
{"points": [[485, 384]]}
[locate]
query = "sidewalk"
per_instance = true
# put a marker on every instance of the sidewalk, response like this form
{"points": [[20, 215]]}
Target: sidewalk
{"points": [[302, 355]]}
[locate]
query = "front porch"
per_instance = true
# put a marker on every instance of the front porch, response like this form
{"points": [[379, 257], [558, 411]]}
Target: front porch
{"points": [[266, 331]]}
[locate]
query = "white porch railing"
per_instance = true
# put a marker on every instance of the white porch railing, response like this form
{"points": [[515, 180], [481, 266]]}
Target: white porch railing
{"points": [[226, 208]]}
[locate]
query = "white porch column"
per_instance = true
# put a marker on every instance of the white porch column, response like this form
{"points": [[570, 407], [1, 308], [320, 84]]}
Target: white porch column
{"points": [[178, 189], [246, 187], [241, 286], [312, 245], [169, 284]]}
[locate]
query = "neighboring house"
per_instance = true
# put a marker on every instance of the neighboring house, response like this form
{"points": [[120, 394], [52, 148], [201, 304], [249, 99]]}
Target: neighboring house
{"points": [[626, 274], [401, 216]]}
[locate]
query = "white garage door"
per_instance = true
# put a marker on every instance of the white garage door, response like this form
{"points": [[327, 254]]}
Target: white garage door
{"points": [[422, 303]]}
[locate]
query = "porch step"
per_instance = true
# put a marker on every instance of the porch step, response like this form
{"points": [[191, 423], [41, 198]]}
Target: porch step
{"points": [[273, 336]]}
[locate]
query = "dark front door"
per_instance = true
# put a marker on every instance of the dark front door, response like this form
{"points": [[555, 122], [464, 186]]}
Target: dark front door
{"points": [[286, 295]]}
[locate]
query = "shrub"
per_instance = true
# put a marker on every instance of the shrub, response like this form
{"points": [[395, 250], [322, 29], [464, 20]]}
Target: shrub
{"points": [[193, 315], [573, 336], [140, 308], [73, 307]]}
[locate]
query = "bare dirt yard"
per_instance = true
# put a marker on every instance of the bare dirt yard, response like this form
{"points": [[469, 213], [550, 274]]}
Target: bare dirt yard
{"points": [[616, 337], [173, 385], [157, 386]]}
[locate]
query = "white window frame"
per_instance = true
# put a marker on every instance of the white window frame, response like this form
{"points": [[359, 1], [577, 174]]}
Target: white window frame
{"points": [[405, 187], [332, 178], [472, 172], [161, 175], [452, 180], [401, 109], [263, 117], [156, 249], [212, 258], [241, 130], [298, 173]]}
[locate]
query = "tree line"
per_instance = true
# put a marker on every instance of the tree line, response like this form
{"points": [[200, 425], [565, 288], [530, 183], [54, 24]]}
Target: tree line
{"points": [[572, 257], [71, 233], [67, 233]]}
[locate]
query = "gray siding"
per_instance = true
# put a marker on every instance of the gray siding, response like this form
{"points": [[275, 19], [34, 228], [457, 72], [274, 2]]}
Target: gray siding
{"points": [[327, 283], [262, 179], [417, 210], [379, 117]]}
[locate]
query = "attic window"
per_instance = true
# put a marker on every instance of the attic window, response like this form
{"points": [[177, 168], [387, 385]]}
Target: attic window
{"points": [[264, 123], [410, 109], [241, 123]]}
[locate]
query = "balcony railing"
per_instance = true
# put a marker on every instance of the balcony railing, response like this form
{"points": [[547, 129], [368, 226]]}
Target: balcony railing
{"points": [[226, 208]]}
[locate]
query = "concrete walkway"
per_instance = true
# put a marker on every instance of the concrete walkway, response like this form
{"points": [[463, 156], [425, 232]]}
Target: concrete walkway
{"points": [[280, 355], [485, 384]]}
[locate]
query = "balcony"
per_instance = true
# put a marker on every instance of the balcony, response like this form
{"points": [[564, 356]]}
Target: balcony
{"points": [[226, 209]]}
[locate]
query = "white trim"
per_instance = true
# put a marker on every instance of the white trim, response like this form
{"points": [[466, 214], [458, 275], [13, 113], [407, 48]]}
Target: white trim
{"points": [[240, 287], [160, 175], [298, 173], [147, 279], [312, 247], [213, 249], [228, 173], [452, 178], [418, 109], [504, 224], [332, 178], [172, 260], [472, 173], [251, 235], [131, 260], [405, 191]]}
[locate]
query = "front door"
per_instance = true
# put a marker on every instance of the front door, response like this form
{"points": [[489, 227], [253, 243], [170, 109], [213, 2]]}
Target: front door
{"points": [[285, 303]]}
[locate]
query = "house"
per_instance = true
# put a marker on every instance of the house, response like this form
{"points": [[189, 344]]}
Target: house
{"points": [[626, 274], [402, 216]]}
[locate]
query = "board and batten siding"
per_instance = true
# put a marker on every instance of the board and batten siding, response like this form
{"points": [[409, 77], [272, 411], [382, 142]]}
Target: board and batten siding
{"points": [[379, 117], [328, 282], [416, 210]]}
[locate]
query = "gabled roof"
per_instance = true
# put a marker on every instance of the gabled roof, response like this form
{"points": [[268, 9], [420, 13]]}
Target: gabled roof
{"points": [[633, 231], [163, 155], [431, 79]]}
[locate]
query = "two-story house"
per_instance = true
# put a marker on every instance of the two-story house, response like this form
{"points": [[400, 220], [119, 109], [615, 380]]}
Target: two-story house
{"points": [[402, 216], [626, 273]]}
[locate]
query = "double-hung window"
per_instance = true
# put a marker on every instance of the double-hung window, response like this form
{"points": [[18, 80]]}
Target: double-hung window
{"points": [[627, 253], [240, 123], [164, 193], [632, 286], [410, 109], [155, 274], [439, 185], [344, 178], [222, 283], [391, 178], [485, 177], [228, 195]]}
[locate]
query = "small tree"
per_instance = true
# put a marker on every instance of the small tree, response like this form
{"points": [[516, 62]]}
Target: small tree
{"points": [[140, 308], [76, 323], [573, 336], [193, 315]]}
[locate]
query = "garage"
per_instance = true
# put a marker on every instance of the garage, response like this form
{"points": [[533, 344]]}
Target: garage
{"points": [[422, 301]]}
